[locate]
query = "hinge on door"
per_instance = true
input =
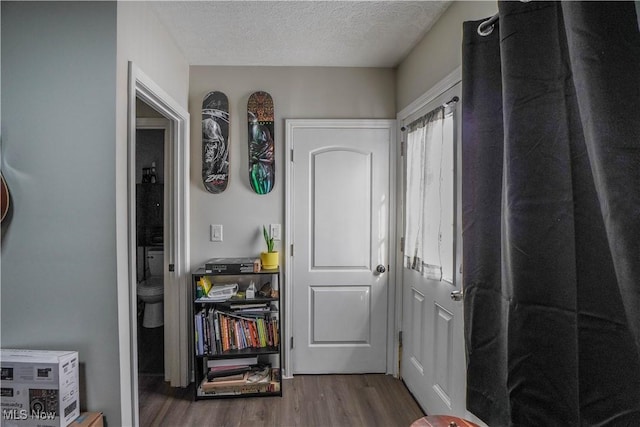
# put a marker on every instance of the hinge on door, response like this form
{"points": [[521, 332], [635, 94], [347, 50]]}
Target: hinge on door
{"points": [[402, 148], [292, 154], [291, 342], [402, 244], [172, 267], [400, 339], [291, 249]]}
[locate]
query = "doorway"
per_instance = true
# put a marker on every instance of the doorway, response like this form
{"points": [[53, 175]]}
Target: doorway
{"points": [[152, 139], [175, 242]]}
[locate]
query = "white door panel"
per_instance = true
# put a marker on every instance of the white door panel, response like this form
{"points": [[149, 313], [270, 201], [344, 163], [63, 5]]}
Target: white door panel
{"points": [[344, 305], [443, 349], [340, 209], [415, 347], [340, 228]]}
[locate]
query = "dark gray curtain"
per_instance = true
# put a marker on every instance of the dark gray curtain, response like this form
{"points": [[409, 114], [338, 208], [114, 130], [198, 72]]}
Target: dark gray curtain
{"points": [[551, 215]]}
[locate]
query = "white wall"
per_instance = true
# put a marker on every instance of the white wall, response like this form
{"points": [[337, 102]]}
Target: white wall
{"points": [[143, 40], [58, 279], [439, 52], [298, 92]]}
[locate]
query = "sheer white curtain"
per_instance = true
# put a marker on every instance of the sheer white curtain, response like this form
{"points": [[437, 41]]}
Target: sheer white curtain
{"points": [[429, 195]]}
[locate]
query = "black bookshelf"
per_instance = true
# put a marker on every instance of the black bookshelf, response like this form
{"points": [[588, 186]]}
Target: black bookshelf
{"points": [[223, 335]]}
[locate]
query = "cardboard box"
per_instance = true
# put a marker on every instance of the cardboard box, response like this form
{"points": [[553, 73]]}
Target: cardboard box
{"points": [[88, 419], [39, 388]]}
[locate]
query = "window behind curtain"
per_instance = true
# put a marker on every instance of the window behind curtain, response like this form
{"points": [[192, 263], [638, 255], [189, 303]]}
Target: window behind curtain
{"points": [[429, 214]]}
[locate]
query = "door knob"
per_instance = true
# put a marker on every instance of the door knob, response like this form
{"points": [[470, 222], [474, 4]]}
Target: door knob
{"points": [[381, 269], [457, 295]]}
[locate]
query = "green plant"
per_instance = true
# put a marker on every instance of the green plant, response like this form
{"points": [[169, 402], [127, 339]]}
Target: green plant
{"points": [[267, 239]]}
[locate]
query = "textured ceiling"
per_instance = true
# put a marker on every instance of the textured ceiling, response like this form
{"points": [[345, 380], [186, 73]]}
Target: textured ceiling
{"points": [[298, 33]]}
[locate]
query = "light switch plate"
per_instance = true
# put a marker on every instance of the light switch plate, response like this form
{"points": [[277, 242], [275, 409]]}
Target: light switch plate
{"points": [[274, 230], [215, 232]]}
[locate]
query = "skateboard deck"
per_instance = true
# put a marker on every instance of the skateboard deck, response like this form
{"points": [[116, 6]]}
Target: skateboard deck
{"points": [[215, 142], [261, 147]]}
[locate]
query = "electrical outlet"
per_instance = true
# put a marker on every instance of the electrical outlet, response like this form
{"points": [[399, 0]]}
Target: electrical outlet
{"points": [[215, 232], [274, 230]]}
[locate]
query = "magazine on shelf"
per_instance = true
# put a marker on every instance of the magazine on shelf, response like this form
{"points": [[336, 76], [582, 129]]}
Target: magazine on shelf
{"points": [[232, 265]]}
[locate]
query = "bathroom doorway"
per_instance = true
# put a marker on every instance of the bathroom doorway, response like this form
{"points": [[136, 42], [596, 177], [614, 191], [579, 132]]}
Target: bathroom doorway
{"points": [[175, 257], [151, 144]]}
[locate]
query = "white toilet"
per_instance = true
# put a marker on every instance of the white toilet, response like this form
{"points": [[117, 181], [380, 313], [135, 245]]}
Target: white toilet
{"points": [[151, 291]]}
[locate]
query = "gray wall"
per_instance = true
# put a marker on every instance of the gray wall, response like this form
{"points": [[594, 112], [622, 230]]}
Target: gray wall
{"points": [[298, 92], [58, 131]]}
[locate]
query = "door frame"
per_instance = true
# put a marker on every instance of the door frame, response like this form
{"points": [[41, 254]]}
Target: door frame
{"points": [[176, 246], [290, 126]]}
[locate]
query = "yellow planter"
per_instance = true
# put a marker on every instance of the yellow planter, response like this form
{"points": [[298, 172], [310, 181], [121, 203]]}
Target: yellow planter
{"points": [[269, 260]]}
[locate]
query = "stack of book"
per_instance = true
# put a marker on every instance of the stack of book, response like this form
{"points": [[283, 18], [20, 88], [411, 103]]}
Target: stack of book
{"points": [[239, 376], [218, 331], [229, 369]]}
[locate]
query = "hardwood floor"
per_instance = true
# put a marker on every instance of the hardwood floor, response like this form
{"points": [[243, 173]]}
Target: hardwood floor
{"points": [[308, 400]]}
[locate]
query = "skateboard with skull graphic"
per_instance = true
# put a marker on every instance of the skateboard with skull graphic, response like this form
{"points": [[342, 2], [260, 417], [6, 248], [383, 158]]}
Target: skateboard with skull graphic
{"points": [[215, 142]]}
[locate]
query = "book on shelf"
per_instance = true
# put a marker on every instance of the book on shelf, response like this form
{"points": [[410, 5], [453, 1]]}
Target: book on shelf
{"points": [[221, 379], [199, 335], [233, 265], [239, 379], [250, 306], [240, 389], [237, 361], [207, 333], [228, 371]]}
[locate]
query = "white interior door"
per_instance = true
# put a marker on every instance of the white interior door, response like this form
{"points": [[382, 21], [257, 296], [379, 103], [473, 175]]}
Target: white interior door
{"points": [[433, 359], [340, 229]]}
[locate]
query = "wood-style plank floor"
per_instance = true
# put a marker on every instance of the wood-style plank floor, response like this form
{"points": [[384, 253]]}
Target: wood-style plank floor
{"points": [[308, 400]]}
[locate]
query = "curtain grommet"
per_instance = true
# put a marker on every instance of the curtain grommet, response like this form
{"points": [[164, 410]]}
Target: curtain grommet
{"points": [[486, 32], [486, 27]]}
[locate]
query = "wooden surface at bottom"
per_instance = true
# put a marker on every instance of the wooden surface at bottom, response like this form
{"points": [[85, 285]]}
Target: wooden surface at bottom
{"points": [[307, 400]]}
